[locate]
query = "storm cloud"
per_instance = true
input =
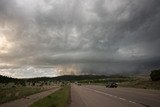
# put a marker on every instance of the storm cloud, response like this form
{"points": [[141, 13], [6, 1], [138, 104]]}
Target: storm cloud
{"points": [[56, 37]]}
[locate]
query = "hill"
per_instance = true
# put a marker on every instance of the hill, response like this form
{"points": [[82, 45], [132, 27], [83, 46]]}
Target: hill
{"points": [[5, 79]]}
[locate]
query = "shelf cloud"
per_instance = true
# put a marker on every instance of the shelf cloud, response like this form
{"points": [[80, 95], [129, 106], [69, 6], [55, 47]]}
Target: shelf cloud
{"points": [[78, 37]]}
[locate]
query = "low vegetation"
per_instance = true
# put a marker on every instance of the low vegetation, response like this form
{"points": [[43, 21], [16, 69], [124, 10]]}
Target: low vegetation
{"points": [[151, 81], [141, 82], [103, 81], [155, 75], [12, 93], [59, 98]]}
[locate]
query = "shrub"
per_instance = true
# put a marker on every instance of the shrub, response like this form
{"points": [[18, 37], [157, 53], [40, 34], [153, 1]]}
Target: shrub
{"points": [[155, 75]]}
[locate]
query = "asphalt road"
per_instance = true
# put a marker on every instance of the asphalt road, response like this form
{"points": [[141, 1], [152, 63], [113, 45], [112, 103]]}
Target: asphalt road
{"points": [[99, 96]]}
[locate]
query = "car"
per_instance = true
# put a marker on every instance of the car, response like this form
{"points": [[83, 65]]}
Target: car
{"points": [[111, 85]]}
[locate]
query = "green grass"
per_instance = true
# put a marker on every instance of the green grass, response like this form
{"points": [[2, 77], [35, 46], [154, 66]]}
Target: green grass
{"points": [[8, 94], [141, 81], [59, 98]]}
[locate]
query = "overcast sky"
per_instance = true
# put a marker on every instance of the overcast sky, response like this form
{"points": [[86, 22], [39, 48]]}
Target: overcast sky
{"points": [[57, 37]]}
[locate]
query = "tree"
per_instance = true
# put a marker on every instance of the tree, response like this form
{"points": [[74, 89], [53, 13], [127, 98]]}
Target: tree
{"points": [[155, 75], [33, 84], [23, 83]]}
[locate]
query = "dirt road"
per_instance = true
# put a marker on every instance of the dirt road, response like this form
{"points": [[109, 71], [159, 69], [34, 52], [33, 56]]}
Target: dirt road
{"points": [[25, 102]]}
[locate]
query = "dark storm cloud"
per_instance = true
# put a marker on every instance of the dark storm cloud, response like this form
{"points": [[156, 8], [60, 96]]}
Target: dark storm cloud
{"points": [[100, 36]]}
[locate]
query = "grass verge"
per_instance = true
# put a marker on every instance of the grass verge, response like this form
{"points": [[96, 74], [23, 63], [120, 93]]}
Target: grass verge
{"points": [[59, 98], [8, 94], [155, 85]]}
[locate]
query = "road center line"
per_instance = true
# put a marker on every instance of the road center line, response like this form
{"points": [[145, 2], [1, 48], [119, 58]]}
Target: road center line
{"points": [[112, 96]]}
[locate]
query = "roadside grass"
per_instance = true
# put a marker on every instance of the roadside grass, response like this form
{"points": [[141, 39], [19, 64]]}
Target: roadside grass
{"points": [[144, 84], [12, 93], [141, 81], [59, 98]]}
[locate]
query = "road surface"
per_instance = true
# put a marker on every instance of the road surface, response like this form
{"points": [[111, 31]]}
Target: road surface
{"points": [[25, 102], [99, 96]]}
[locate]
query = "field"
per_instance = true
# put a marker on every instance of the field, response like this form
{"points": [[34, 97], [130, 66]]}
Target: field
{"points": [[141, 83], [58, 99], [12, 93]]}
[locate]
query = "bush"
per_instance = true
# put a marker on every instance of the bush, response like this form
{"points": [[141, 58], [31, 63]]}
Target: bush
{"points": [[23, 83], [155, 75]]}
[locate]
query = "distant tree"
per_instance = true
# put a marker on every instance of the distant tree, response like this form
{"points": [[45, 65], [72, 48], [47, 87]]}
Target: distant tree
{"points": [[16, 83], [5, 79], [23, 83], [41, 84], [33, 84], [13, 86], [155, 75], [46, 83]]}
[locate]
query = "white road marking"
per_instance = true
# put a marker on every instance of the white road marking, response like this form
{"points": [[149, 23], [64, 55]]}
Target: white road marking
{"points": [[132, 102], [122, 98], [113, 96]]}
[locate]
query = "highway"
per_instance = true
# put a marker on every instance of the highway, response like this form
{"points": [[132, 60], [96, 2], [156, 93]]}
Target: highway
{"points": [[100, 96]]}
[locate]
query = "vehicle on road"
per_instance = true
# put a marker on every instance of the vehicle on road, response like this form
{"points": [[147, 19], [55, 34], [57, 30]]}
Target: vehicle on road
{"points": [[111, 85]]}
